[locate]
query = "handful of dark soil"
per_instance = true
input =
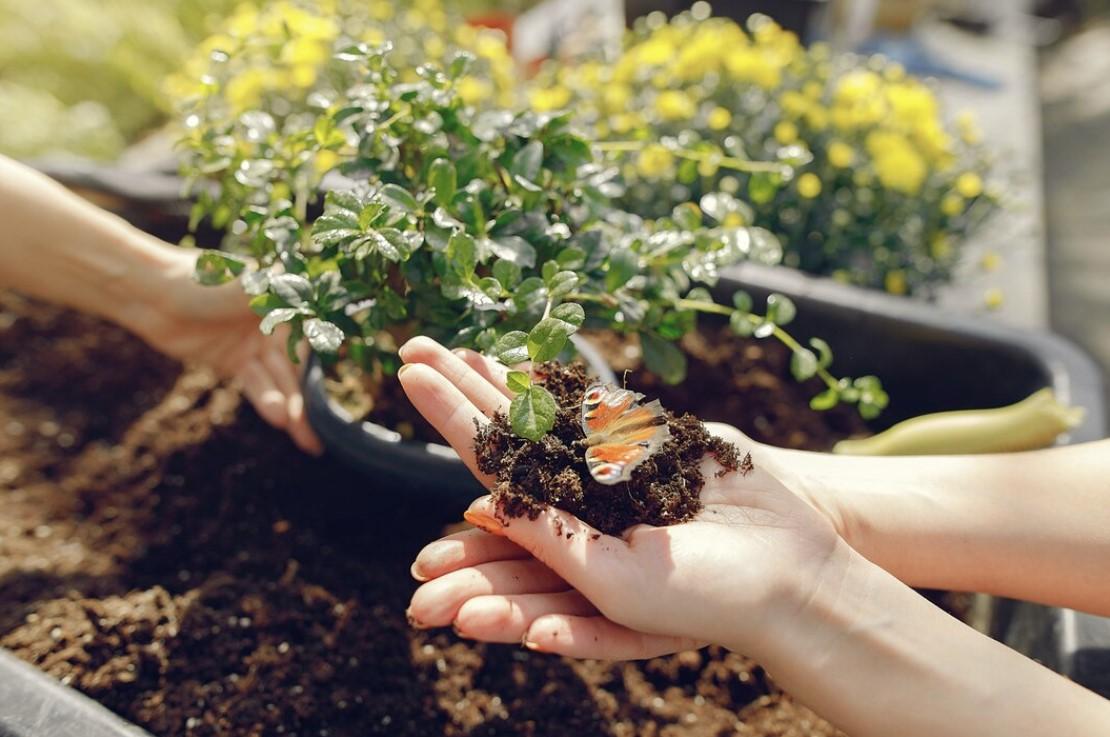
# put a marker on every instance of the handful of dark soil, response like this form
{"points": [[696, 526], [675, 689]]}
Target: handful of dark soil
{"points": [[665, 489]]}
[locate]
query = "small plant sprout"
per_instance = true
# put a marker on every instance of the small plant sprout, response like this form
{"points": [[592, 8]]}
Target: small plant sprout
{"points": [[478, 226]]}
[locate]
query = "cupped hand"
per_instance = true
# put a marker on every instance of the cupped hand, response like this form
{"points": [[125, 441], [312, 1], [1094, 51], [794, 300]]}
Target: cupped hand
{"points": [[738, 574], [215, 326]]}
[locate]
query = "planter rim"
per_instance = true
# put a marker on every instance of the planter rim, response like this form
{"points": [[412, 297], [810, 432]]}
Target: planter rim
{"points": [[1074, 375], [48, 707], [434, 468]]}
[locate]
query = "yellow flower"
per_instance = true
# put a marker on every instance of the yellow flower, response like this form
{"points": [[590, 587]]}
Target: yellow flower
{"points": [[897, 163], [856, 87], [674, 105], [624, 122], [244, 91], [940, 248], [655, 161], [809, 185], [952, 204], [990, 261], [326, 161], [994, 298], [616, 97], [895, 282], [733, 220], [382, 10], [551, 98], [968, 128], [434, 47], [719, 119], [841, 154], [786, 132], [794, 103], [911, 102], [969, 185], [473, 90]]}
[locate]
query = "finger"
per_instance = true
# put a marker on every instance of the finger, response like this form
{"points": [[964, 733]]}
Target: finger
{"points": [[588, 560], [475, 386], [507, 618], [262, 392], [285, 377], [447, 409], [491, 370], [597, 637], [461, 550], [436, 603]]}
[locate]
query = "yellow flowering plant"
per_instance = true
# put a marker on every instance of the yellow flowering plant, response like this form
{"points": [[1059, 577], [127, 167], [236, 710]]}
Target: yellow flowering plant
{"points": [[272, 69], [847, 160], [359, 206]]}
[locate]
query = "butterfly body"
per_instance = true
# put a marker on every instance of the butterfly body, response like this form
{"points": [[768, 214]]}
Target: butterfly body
{"points": [[620, 432]]}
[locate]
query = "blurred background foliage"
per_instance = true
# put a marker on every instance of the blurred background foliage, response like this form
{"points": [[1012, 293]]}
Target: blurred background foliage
{"points": [[86, 77]]}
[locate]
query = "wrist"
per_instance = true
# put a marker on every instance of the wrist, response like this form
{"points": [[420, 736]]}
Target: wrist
{"points": [[147, 285]]}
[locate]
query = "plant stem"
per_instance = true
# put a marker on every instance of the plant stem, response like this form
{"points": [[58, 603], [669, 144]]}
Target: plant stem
{"points": [[756, 320], [604, 299], [729, 162]]}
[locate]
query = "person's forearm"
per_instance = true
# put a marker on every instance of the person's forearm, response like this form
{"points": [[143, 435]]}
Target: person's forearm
{"points": [[58, 247], [876, 659], [1033, 526]]}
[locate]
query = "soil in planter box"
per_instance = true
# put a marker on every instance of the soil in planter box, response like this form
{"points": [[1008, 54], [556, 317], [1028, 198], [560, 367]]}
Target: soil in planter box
{"points": [[744, 382], [664, 490], [170, 555]]}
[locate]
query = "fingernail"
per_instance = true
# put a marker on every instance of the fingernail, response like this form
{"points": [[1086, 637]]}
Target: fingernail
{"points": [[528, 644], [458, 631], [413, 621], [483, 521], [401, 371], [460, 352], [416, 574]]}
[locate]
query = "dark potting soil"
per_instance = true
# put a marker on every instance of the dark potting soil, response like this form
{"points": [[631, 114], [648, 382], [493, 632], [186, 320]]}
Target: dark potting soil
{"points": [[664, 489], [744, 382], [170, 555]]}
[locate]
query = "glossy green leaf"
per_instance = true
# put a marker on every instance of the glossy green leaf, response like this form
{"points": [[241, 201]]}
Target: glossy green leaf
{"points": [[518, 381], [532, 413], [323, 336], [663, 358], [511, 348]]}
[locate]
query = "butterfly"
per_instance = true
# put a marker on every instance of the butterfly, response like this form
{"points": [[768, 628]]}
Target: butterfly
{"points": [[620, 432]]}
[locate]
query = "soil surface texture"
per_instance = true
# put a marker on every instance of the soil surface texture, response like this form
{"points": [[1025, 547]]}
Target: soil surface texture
{"points": [[664, 489], [167, 553]]}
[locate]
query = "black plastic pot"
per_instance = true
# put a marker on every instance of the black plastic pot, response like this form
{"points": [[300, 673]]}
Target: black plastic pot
{"points": [[32, 704], [431, 470]]}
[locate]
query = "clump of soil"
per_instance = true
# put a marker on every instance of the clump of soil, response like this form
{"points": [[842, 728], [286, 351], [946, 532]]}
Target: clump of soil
{"points": [[169, 554], [664, 490]]}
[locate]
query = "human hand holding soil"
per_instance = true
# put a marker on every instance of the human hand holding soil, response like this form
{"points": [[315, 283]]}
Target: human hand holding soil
{"points": [[758, 569], [736, 574]]}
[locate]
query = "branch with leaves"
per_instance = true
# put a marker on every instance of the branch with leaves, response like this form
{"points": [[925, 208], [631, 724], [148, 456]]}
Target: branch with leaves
{"points": [[482, 228]]}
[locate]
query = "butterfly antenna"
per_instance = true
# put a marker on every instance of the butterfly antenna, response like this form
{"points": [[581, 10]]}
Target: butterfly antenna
{"points": [[624, 378]]}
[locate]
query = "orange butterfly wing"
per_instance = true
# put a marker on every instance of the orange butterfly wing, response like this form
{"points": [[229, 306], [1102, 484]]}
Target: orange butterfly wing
{"points": [[620, 433]]}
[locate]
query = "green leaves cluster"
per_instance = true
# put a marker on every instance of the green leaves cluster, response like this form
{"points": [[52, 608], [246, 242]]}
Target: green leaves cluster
{"points": [[482, 228]]}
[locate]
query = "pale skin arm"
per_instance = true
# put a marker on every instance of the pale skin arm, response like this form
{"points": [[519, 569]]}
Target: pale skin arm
{"points": [[1032, 526], [757, 573], [57, 247]]}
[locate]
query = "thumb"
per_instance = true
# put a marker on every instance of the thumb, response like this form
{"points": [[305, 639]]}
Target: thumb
{"points": [[576, 551]]}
